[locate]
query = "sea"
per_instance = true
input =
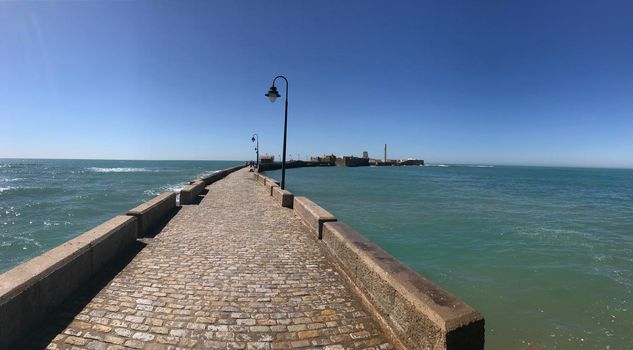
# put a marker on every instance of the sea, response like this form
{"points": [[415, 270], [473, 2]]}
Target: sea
{"points": [[44, 202], [544, 254]]}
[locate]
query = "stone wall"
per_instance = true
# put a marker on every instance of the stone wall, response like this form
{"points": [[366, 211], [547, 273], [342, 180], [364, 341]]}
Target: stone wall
{"points": [[154, 212], [417, 313], [33, 289]]}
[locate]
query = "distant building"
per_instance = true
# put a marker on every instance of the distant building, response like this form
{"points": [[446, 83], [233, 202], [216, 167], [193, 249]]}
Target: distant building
{"points": [[365, 155], [352, 161], [324, 159], [266, 159]]}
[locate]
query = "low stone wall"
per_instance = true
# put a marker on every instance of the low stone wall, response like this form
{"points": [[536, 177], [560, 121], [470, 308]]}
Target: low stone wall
{"points": [[419, 313], [153, 212], [283, 197], [270, 185], [189, 194], [293, 164], [31, 290], [313, 215], [220, 174]]}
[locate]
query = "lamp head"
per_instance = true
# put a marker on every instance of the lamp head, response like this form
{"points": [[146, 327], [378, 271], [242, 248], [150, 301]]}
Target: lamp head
{"points": [[253, 139], [272, 94]]}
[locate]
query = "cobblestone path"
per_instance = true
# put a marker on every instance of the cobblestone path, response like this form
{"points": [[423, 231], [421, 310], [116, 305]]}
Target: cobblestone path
{"points": [[236, 271]]}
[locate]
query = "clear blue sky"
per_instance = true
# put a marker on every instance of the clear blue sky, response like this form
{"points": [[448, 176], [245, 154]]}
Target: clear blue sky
{"points": [[489, 82]]}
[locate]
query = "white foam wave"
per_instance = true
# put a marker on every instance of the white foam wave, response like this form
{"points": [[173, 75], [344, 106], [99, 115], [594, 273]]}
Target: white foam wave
{"points": [[3, 189], [119, 170], [169, 188], [438, 165], [207, 173], [12, 180]]}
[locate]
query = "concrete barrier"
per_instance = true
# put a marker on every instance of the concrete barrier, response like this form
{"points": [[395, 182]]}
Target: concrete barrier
{"points": [[189, 194], [270, 181], [419, 313], [313, 215], [261, 179], [270, 185], [283, 197], [153, 212], [30, 291]]}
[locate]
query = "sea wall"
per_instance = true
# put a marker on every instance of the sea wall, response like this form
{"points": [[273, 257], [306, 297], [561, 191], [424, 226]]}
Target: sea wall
{"points": [[190, 194], [417, 313], [33, 289], [220, 174], [290, 164]]}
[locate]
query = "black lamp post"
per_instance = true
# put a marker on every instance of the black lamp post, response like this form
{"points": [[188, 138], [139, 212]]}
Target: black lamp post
{"points": [[273, 94], [256, 147]]}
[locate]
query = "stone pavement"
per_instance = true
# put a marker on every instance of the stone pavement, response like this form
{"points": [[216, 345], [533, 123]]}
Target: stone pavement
{"points": [[235, 271]]}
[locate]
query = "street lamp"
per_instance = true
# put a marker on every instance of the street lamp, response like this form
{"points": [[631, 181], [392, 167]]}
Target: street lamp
{"points": [[256, 147], [273, 94]]}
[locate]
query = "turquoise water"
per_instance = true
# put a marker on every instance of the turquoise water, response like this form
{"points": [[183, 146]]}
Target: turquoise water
{"points": [[545, 254], [44, 203]]}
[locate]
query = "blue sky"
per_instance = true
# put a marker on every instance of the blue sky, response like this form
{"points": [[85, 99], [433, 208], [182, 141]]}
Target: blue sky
{"points": [[490, 82]]}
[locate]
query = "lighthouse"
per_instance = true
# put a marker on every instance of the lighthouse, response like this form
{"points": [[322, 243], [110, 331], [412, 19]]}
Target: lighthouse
{"points": [[385, 159]]}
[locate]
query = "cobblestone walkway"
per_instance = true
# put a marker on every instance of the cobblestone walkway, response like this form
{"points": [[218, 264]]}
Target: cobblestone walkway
{"points": [[236, 271]]}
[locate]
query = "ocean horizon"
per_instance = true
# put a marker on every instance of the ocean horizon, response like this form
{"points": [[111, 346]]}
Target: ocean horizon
{"points": [[431, 164], [544, 253]]}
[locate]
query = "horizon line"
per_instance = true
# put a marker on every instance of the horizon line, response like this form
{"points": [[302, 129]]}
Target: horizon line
{"points": [[426, 163]]}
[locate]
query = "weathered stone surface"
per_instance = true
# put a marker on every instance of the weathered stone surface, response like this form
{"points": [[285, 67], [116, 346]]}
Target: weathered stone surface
{"points": [[283, 197], [313, 215], [270, 186], [153, 212], [234, 272], [31, 290], [423, 315], [189, 194]]}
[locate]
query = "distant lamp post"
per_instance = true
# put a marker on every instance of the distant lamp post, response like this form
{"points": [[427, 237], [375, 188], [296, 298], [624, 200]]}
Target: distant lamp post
{"points": [[273, 94], [256, 138]]}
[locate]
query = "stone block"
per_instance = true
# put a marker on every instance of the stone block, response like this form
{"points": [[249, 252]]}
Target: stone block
{"points": [[283, 197], [312, 215], [153, 212], [190, 193], [30, 291], [270, 186]]}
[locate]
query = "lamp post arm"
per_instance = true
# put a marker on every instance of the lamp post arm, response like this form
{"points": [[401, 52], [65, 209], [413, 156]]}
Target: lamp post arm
{"points": [[283, 160], [286, 80]]}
